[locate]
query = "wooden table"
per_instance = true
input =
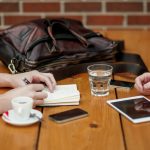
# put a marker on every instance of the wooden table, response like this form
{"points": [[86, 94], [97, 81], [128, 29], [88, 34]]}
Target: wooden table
{"points": [[104, 129]]}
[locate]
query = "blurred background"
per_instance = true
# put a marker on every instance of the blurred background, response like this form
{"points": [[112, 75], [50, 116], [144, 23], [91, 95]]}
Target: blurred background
{"points": [[95, 14]]}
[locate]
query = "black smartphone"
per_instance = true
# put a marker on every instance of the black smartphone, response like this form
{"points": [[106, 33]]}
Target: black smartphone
{"points": [[119, 83], [68, 115]]}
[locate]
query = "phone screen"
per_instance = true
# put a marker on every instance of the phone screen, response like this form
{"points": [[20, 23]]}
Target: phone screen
{"points": [[68, 115], [119, 83]]}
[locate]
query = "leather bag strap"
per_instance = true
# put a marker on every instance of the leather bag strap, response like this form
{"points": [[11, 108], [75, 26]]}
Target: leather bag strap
{"points": [[126, 63]]}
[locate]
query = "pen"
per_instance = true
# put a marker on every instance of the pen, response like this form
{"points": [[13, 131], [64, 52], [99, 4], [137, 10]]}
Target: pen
{"points": [[26, 81]]}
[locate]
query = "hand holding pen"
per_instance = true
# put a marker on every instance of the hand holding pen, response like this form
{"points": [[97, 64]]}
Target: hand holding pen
{"points": [[25, 84], [34, 77]]}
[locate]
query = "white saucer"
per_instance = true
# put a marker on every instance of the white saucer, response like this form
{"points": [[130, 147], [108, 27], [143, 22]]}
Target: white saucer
{"points": [[30, 121]]}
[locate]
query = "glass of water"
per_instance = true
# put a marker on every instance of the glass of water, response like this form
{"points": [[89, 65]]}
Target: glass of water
{"points": [[99, 78]]}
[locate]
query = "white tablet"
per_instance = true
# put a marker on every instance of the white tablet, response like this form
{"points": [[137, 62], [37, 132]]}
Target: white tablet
{"points": [[136, 109]]}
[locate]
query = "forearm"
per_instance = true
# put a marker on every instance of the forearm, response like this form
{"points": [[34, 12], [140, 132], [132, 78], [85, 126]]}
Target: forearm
{"points": [[5, 104], [5, 80]]}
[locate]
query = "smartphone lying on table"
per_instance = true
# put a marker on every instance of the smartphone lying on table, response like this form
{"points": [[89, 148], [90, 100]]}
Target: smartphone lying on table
{"points": [[119, 83], [68, 115]]}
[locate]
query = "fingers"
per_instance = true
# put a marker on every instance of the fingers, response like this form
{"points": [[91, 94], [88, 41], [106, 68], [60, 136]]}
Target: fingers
{"points": [[51, 77], [36, 91], [140, 89], [35, 87], [146, 86], [46, 78], [37, 102], [39, 98], [138, 83], [35, 76], [141, 80], [37, 94], [142, 83], [48, 82]]}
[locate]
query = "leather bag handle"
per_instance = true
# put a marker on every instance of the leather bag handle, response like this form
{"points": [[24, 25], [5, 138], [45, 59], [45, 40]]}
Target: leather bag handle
{"points": [[55, 47], [80, 38]]}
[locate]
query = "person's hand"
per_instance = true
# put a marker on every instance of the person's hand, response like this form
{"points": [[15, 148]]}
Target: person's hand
{"points": [[32, 90], [33, 77], [142, 83]]}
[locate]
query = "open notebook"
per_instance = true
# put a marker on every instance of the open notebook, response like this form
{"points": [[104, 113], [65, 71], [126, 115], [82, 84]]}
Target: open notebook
{"points": [[63, 95]]}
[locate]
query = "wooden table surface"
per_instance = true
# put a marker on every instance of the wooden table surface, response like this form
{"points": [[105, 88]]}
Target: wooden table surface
{"points": [[104, 129]]}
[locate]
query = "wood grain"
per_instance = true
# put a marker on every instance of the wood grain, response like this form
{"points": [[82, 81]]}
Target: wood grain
{"points": [[103, 129], [136, 135], [136, 41], [14, 137]]}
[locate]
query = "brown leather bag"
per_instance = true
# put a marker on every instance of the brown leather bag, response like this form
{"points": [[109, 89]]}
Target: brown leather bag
{"points": [[51, 45]]}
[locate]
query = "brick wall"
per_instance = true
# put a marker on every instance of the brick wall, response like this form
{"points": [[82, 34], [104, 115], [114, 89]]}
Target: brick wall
{"points": [[96, 14]]}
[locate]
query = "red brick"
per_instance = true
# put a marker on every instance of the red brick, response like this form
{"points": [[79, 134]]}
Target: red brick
{"points": [[124, 6], [68, 16], [41, 7], [105, 20], [139, 20], [9, 7], [11, 20], [82, 7]]}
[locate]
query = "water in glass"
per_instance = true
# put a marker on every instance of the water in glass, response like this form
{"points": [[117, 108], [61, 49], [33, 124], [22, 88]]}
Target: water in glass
{"points": [[99, 82]]}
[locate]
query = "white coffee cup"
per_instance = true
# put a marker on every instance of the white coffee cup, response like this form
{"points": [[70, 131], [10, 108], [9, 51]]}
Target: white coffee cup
{"points": [[22, 107]]}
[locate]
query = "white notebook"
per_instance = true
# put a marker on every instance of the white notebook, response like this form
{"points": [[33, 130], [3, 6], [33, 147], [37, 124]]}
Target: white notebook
{"points": [[63, 95]]}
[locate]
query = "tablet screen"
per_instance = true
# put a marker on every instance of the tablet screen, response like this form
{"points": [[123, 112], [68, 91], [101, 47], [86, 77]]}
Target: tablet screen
{"points": [[134, 108]]}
